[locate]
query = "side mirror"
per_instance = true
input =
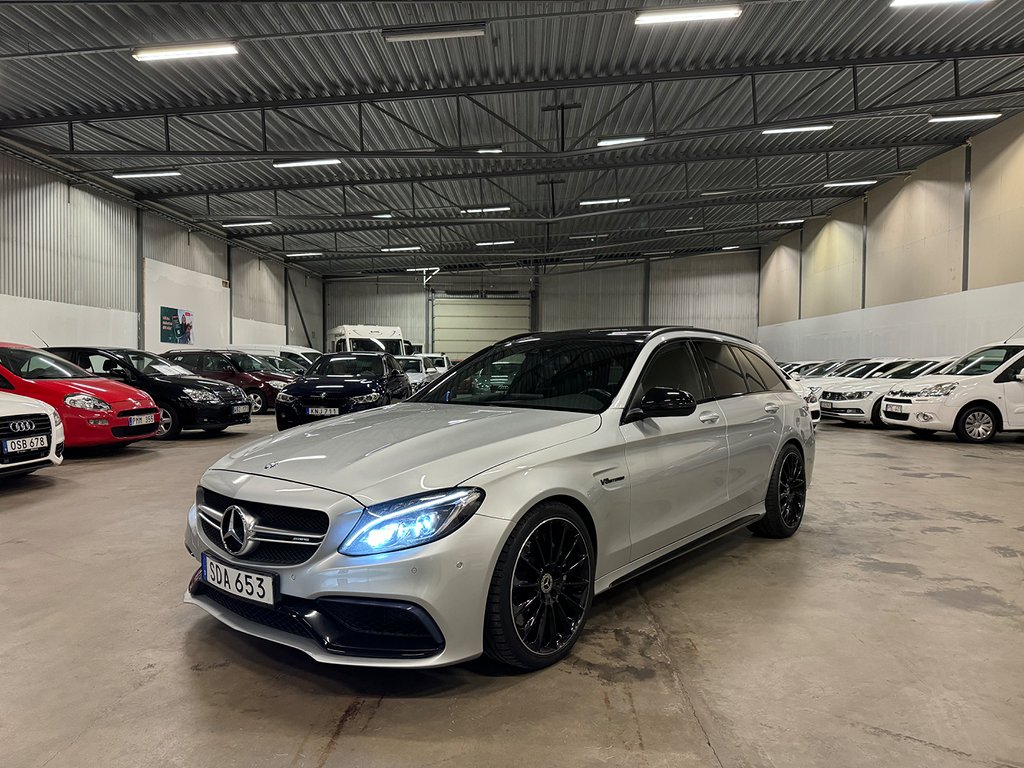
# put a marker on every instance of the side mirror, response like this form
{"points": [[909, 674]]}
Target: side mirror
{"points": [[1020, 377], [431, 370], [660, 402]]}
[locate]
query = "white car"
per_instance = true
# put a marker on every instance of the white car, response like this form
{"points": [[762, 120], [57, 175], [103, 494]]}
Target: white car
{"points": [[436, 360], [417, 369], [851, 370], [476, 519], [861, 400], [813, 404], [31, 435], [978, 396]]}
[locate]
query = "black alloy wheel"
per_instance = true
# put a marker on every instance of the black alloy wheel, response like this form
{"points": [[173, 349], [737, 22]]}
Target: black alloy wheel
{"points": [[787, 496]]}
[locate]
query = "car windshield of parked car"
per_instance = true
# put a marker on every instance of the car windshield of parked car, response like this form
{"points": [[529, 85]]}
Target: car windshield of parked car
{"points": [[34, 364], [911, 370], [855, 370], [249, 363], [365, 366], [819, 369], [984, 360], [284, 365], [885, 370], [410, 364], [581, 375], [151, 365]]}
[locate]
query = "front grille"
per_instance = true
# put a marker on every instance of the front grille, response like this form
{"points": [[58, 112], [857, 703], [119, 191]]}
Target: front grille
{"points": [[287, 535], [268, 616], [898, 400], [40, 426], [137, 412]]}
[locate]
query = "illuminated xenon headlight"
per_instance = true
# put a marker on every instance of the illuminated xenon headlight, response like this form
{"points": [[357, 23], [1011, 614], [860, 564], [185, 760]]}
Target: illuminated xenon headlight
{"points": [[277, 384], [200, 395], [938, 390], [86, 402], [284, 397], [373, 397], [411, 521]]}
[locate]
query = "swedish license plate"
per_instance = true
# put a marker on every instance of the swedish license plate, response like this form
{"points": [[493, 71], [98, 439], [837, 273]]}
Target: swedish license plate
{"points": [[257, 587], [322, 411], [240, 409], [138, 421], [23, 444], [826, 405], [890, 408]]}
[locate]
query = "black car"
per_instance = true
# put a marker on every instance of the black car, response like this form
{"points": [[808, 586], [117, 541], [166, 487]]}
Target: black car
{"points": [[341, 383], [186, 401]]}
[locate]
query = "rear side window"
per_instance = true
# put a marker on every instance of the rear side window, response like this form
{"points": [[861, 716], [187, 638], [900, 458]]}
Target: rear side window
{"points": [[755, 369], [726, 376], [675, 367]]}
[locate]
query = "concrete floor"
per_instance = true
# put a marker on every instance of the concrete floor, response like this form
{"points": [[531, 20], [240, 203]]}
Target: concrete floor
{"points": [[888, 632]]}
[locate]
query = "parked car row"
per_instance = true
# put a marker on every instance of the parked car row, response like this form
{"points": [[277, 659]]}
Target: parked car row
{"points": [[975, 396]]}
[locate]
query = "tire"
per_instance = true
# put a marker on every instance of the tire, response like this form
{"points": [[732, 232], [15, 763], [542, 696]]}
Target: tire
{"points": [[977, 424], [170, 423], [538, 602], [876, 415], [787, 497], [927, 433], [214, 430], [259, 405]]}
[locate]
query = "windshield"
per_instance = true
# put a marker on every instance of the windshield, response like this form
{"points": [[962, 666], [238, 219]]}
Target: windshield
{"points": [[35, 364], [149, 364], [284, 364], [555, 374], [410, 364], [984, 360], [248, 363], [855, 370], [818, 369], [913, 369], [367, 366], [391, 346], [883, 370]]}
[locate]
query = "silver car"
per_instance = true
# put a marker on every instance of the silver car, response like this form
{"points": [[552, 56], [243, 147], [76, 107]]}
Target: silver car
{"points": [[471, 520]]}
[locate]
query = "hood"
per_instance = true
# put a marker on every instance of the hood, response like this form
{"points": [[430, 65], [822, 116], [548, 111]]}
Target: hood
{"points": [[266, 376], [333, 385], [108, 390], [864, 385], [402, 449], [16, 405], [826, 382], [916, 385], [196, 382]]}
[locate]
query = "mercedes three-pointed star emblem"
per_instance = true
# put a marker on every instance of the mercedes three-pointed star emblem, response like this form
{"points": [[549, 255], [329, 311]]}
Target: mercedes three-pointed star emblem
{"points": [[236, 529]]}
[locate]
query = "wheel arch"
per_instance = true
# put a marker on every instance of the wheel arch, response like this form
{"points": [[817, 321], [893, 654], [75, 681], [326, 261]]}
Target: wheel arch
{"points": [[579, 508], [995, 409]]}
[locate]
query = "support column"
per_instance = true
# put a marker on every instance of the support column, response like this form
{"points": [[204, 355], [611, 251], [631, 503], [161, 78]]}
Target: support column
{"points": [[140, 278], [231, 300], [965, 281], [645, 296]]}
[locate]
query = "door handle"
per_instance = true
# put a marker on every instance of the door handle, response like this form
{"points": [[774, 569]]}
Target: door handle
{"points": [[771, 408], [709, 417]]}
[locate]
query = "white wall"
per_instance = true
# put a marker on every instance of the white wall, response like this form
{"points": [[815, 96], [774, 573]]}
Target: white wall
{"points": [[203, 295], [257, 332], [586, 299], [60, 323]]}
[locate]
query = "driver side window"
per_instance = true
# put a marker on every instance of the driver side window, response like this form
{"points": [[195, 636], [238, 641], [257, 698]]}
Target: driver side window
{"points": [[675, 367]]}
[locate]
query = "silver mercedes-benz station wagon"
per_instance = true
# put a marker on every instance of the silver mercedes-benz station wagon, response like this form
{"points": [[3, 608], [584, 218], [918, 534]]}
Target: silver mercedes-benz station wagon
{"points": [[482, 515]]}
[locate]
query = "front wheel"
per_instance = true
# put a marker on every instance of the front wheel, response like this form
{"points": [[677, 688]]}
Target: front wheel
{"points": [[169, 426], [976, 424], [787, 496], [259, 405], [541, 590]]}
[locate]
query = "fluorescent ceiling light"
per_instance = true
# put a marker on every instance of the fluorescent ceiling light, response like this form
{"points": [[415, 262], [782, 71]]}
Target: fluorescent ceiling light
{"points": [[791, 221], [186, 51], [489, 151], [232, 224], [433, 32], [496, 242], [911, 3], [304, 163], [145, 174], [863, 183], [585, 237], [693, 13], [306, 253], [965, 118], [798, 129], [402, 249], [683, 229], [605, 201], [716, 192], [616, 141], [657, 253], [492, 209], [731, 248], [383, 216]]}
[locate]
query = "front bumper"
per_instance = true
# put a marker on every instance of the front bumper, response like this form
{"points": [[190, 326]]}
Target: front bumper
{"points": [[444, 583], [848, 410], [85, 428], [919, 413], [195, 416], [294, 413]]}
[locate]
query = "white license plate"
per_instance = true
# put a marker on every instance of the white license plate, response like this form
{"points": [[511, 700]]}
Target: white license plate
{"points": [[257, 587], [138, 421], [240, 409], [827, 404], [322, 411], [894, 408], [22, 444]]}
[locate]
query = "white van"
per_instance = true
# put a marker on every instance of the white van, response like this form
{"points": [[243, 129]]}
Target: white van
{"points": [[304, 356], [367, 338]]}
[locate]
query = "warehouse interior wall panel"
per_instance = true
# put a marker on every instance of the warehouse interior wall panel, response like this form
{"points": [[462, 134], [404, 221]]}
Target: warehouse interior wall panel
{"points": [[168, 242], [591, 298], [464, 326], [205, 296], [40, 323], [717, 291], [257, 287], [62, 243], [247, 331], [310, 308], [997, 205], [379, 301], [916, 233], [780, 281], [833, 257]]}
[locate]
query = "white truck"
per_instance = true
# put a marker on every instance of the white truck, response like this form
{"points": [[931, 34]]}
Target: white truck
{"points": [[367, 338]]}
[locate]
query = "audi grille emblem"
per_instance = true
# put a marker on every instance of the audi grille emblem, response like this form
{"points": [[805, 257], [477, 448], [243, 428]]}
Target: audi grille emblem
{"points": [[236, 529], [23, 426]]}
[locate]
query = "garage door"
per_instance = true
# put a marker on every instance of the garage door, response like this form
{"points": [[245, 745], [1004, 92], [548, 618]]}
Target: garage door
{"points": [[464, 326]]}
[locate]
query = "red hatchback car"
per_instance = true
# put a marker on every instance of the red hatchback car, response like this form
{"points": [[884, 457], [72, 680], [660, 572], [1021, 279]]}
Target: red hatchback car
{"points": [[95, 411]]}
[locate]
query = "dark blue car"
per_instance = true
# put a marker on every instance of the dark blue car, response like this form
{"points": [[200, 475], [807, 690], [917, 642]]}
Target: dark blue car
{"points": [[342, 383]]}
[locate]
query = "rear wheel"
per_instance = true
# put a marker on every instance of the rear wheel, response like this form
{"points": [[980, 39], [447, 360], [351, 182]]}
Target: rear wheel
{"points": [[541, 590], [169, 425], [976, 424], [787, 496], [259, 405]]}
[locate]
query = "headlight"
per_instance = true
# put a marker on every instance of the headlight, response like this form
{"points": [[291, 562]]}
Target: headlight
{"points": [[284, 397], [411, 521], [373, 397], [86, 402], [200, 395], [56, 419], [811, 398], [938, 390], [277, 384]]}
